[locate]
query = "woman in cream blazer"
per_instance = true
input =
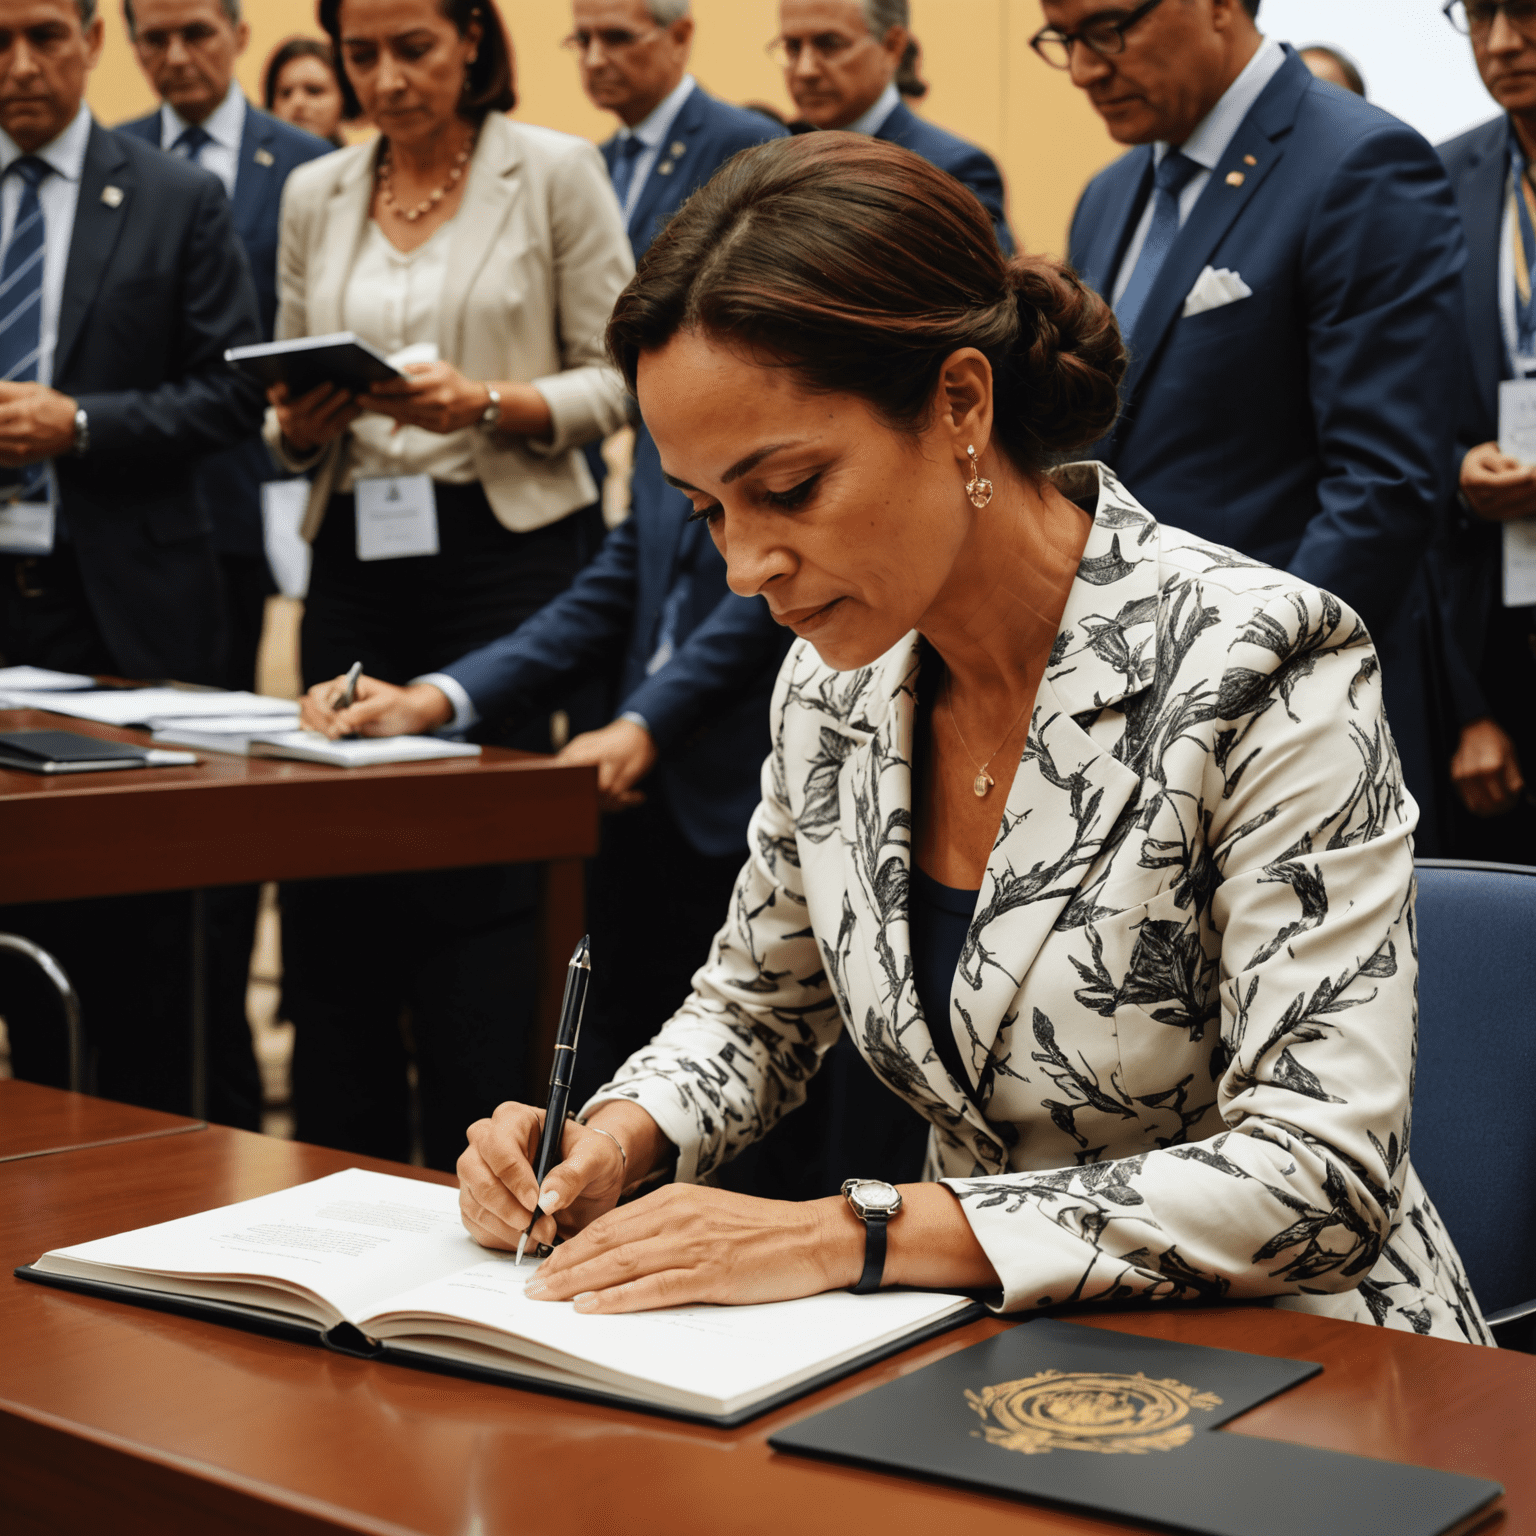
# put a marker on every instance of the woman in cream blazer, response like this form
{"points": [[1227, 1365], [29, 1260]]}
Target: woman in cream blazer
{"points": [[490, 252], [1166, 1050]]}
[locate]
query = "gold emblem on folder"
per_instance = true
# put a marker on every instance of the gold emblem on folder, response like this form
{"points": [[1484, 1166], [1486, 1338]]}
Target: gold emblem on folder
{"points": [[1100, 1411]]}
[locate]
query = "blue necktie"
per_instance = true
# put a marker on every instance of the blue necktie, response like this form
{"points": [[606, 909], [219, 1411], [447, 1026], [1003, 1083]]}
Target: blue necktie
{"points": [[21, 308], [627, 152], [1173, 175], [190, 142]]}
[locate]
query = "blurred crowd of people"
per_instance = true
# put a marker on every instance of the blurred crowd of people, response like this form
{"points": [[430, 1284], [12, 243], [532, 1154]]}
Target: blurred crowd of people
{"points": [[1319, 309]]}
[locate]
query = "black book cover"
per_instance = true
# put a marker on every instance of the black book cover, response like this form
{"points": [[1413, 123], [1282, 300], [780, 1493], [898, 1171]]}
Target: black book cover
{"points": [[1095, 1420]]}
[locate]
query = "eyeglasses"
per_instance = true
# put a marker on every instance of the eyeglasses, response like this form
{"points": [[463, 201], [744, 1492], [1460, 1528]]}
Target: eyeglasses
{"points": [[197, 34], [1472, 18], [827, 46], [1103, 34], [609, 39]]}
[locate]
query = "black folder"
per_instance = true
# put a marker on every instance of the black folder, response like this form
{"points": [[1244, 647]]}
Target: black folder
{"points": [[1105, 1422], [307, 361], [67, 752]]}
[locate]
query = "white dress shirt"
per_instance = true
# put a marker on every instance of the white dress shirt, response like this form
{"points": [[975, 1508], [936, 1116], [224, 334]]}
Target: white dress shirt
{"points": [[58, 196], [1205, 146], [872, 120], [224, 126], [652, 132]]}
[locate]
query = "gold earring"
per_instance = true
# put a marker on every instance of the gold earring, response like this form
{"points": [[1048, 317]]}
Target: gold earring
{"points": [[979, 490]]}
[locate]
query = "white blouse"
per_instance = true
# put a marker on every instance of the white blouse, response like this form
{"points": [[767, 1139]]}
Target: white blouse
{"points": [[393, 300]]}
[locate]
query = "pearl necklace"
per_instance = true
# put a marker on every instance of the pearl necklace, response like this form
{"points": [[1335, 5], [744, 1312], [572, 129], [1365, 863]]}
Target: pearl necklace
{"points": [[427, 204]]}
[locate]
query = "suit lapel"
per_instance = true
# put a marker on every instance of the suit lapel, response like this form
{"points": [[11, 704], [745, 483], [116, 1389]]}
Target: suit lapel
{"points": [[98, 225], [1480, 195], [670, 169], [335, 253], [490, 190], [1241, 171], [256, 176]]}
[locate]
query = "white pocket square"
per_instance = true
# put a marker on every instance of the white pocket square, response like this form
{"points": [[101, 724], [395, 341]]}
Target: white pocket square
{"points": [[1214, 288]]}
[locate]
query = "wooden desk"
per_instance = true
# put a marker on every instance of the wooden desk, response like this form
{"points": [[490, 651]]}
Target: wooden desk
{"points": [[37, 1122], [114, 1418], [238, 820]]}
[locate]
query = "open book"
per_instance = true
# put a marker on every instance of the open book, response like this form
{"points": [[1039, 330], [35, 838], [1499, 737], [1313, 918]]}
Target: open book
{"points": [[374, 1264]]}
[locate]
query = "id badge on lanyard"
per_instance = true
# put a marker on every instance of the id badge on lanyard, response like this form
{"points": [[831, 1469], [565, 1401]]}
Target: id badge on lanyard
{"points": [[396, 517], [26, 528]]}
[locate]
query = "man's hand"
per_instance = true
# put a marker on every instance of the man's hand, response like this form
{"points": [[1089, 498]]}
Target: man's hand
{"points": [[35, 424], [1496, 486], [1486, 770], [624, 754], [380, 709]]}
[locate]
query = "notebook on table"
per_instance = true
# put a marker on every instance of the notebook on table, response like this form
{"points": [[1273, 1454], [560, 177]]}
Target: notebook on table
{"points": [[307, 361], [66, 752], [1109, 1423], [357, 751], [376, 1265]]}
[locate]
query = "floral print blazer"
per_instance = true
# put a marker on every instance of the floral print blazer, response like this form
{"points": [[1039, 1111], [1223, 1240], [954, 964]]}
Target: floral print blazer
{"points": [[1188, 996]]}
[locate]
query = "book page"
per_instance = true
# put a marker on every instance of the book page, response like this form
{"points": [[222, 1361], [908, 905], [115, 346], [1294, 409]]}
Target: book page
{"points": [[352, 1239], [711, 1358]]}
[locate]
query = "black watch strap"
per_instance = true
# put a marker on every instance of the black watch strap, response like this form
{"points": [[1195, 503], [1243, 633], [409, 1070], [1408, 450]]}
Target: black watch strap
{"points": [[874, 1255]]}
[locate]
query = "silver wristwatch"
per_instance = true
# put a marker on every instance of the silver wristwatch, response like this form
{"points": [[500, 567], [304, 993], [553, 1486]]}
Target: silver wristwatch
{"points": [[490, 417], [82, 444], [875, 1203]]}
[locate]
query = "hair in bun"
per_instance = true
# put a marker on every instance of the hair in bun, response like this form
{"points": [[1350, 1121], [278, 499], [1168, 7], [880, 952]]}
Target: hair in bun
{"points": [[860, 267]]}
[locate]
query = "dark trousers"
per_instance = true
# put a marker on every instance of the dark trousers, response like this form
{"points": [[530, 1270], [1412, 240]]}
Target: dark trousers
{"points": [[654, 903], [435, 968], [247, 585], [129, 957]]}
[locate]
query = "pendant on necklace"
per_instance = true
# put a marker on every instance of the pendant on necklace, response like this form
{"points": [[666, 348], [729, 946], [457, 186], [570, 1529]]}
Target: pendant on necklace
{"points": [[982, 783]]}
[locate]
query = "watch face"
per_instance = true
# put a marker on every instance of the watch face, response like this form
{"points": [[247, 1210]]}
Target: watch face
{"points": [[874, 1196]]}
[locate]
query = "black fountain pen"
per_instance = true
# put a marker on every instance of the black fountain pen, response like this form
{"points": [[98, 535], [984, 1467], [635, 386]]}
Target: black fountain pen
{"points": [[578, 975]]}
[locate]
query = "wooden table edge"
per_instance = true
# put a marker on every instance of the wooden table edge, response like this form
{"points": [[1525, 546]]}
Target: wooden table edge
{"points": [[104, 1141]]}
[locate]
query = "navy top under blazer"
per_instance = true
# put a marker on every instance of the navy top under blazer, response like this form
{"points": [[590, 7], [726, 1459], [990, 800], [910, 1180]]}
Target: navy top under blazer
{"points": [[966, 162], [229, 483], [707, 707], [1468, 565], [155, 289], [1310, 425]]}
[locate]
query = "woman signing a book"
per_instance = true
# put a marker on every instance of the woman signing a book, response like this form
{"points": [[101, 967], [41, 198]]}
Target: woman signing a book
{"points": [[1091, 834]]}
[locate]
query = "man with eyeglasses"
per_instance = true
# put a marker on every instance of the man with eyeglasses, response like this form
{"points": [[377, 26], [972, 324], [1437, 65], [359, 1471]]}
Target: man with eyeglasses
{"points": [[1490, 641], [840, 60], [1284, 260]]}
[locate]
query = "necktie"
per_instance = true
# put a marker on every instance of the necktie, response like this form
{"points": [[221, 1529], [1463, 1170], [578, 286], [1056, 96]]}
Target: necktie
{"points": [[190, 142], [628, 151], [21, 307], [1173, 175], [1521, 199]]}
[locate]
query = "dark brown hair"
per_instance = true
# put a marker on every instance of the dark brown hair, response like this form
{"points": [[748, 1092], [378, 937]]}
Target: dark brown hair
{"points": [[491, 81], [860, 267], [284, 55]]}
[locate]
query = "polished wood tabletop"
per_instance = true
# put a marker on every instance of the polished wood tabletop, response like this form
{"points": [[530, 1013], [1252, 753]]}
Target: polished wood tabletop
{"points": [[114, 1418], [231, 820], [37, 1121]]}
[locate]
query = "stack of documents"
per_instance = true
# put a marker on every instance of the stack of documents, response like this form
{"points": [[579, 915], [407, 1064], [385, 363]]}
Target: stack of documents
{"points": [[141, 706]]}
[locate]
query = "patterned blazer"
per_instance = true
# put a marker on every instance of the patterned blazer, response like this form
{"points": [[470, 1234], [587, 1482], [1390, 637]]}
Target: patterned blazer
{"points": [[1188, 995]]}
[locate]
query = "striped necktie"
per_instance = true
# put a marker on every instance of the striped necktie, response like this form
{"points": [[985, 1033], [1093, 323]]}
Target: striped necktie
{"points": [[1174, 174], [626, 153], [190, 143], [1522, 205], [21, 306]]}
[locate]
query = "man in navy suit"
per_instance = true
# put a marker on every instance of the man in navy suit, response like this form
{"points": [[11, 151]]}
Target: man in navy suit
{"points": [[1490, 647], [841, 59], [1284, 260], [187, 50]]}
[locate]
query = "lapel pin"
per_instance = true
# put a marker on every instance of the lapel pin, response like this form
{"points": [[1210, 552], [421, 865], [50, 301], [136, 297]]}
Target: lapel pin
{"points": [[1235, 178], [1249, 160], [265, 157], [112, 196], [665, 168], [678, 149]]}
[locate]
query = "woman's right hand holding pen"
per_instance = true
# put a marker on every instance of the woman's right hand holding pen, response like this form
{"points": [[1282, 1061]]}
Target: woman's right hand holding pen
{"points": [[314, 419], [378, 709]]}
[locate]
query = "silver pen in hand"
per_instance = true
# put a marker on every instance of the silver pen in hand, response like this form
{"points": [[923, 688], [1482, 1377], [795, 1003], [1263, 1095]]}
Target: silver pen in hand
{"points": [[348, 695], [577, 976]]}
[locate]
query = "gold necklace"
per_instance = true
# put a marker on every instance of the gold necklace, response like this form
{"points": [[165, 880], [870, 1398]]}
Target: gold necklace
{"points": [[983, 781], [427, 204]]}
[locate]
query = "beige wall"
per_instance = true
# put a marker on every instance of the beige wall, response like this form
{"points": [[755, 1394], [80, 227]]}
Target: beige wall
{"points": [[986, 84]]}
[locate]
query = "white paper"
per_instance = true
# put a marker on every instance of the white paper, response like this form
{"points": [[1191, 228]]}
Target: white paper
{"points": [[138, 706], [43, 679], [358, 751], [283, 505], [26, 528], [1520, 563], [396, 517], [1517, 419]]}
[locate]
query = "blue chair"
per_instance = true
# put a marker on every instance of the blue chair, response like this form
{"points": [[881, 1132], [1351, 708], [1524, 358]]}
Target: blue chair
{"points": [[1474, 1103]]}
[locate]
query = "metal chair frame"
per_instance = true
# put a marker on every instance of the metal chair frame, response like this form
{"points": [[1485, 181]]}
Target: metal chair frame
{"points": [[67, 996]]}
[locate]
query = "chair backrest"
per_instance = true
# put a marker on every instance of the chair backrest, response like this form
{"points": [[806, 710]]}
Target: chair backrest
{"points": [[1474, 1102]]}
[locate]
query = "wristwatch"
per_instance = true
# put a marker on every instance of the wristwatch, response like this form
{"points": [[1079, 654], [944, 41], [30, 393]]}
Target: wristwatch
{"points": [[875, 1203], [490, 417], [82, 442]]}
